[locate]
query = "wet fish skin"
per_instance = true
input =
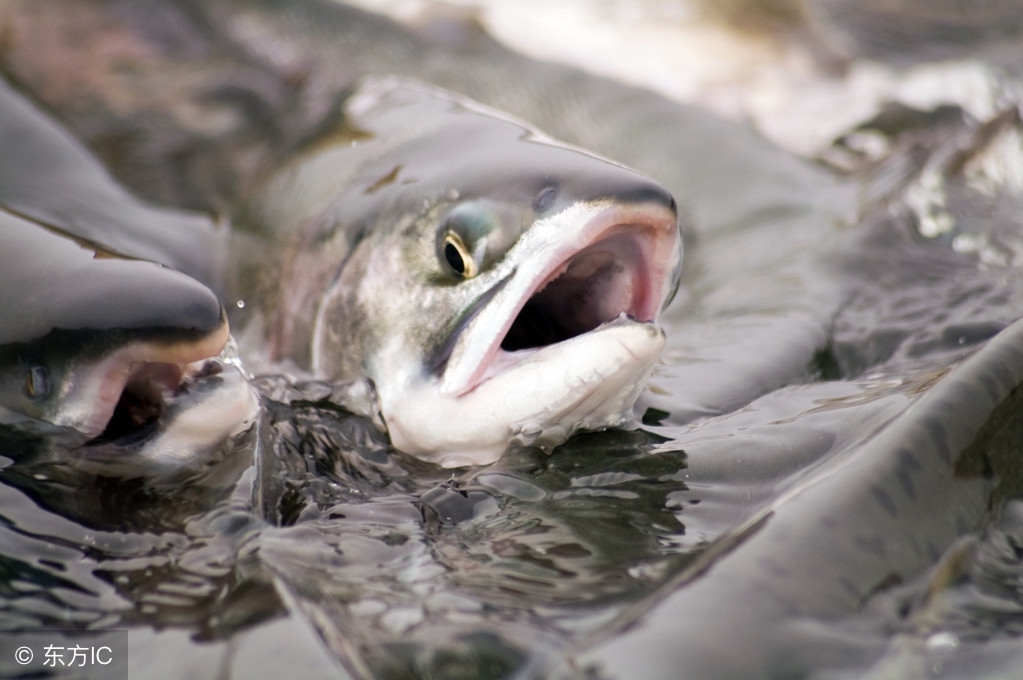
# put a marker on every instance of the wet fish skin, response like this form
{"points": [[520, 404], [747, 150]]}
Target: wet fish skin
{"points": [[913, 487], [367, 214], [111, 355], [746, 570], [75, 305], [264, 60], [213, 41], [166, 126], [251, 61], [47, 175]]}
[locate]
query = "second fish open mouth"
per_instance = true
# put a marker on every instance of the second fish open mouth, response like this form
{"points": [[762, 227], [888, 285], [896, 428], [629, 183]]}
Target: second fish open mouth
{"points": [[123, 396], [145, 398]]}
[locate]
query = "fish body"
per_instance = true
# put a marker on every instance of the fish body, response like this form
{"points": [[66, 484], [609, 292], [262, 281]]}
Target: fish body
{"points": [[49, 176], [114, 355], [495, 285], [793, 530], [107, 352], [789, 591], [220, 88], [432, 371]]}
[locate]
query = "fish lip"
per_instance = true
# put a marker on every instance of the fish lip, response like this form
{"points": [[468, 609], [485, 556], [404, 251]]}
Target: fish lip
{"points": [[155, 372], [651, 229]]}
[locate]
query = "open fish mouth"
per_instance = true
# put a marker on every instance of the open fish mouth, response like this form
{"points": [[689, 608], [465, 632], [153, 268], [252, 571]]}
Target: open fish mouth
{"points": [[620, 267], [131, 391], [164, 411], [562, 338], [147, 395], [597, 285]]}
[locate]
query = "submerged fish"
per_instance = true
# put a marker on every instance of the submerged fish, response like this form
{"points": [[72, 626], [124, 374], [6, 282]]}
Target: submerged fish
{"points": [[47, 174], [495, 285], [218, 89], [115, 356], [442, 376], [801, 510]]}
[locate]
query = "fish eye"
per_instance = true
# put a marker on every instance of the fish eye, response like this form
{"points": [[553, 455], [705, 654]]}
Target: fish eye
{"points": [[464, 234], [545, 199], [458, 256], [37, 383]]}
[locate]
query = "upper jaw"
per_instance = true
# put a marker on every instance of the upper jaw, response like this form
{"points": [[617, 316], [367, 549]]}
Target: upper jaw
{"points": [[588, 265]]}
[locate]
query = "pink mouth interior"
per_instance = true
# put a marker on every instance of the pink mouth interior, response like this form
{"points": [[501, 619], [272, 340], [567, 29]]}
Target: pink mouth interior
{"points": [[143, 398], [138, 382], [620, 264], [596, 285]]}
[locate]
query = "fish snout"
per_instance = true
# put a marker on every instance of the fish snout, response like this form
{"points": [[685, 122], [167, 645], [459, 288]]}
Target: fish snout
{"points": [[94, 342]]}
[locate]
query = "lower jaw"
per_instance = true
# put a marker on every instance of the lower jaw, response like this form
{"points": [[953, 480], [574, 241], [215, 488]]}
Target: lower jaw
{"points": [[589, 382]]}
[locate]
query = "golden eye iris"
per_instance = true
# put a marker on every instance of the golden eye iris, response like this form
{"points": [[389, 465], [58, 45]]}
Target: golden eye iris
{"points": [[458, 256], [37, 383]]}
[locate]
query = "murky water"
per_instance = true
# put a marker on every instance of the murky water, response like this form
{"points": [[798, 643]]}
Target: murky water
{"points": [[825, 482]]}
